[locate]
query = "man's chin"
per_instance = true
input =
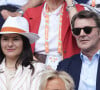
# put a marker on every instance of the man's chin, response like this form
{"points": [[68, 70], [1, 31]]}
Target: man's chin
{"points": [[83, 47]]}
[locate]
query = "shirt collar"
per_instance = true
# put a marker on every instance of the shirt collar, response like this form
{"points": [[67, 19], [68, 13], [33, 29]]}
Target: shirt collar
{"points": [[97, 54], [2, 66], [56, 12]]}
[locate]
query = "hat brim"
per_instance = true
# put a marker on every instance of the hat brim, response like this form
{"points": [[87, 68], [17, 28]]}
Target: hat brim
{"points": [[32, 37]]}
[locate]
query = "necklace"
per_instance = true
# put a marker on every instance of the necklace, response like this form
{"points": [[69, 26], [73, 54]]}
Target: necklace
{"points": [[47, 30]]}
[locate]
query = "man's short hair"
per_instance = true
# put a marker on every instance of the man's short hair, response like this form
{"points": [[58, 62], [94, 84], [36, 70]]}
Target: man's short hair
{"points": [[86, 15]]}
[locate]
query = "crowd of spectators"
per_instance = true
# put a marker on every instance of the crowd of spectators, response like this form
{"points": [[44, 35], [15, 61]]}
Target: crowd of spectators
{"points": [[51, 20]]}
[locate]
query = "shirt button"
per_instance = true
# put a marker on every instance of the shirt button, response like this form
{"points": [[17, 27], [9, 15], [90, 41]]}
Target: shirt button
{"points": [[64, 51]]}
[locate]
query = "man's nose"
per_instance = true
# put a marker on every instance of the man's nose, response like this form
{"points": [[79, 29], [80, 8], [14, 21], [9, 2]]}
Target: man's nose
{"points": [[82, 32]]}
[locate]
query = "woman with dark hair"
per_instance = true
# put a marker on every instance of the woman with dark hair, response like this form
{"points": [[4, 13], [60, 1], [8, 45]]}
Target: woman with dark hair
{"points": [[18, 70]]}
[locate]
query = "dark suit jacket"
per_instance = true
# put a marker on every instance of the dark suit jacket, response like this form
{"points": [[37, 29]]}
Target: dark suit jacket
{"points": [[73, 67]]}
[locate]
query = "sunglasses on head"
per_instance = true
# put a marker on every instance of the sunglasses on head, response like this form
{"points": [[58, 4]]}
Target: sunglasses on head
{"points": [[87, 30]]}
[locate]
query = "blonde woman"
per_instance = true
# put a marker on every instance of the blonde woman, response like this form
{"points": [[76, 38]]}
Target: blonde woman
{"points": [[54, 80]]}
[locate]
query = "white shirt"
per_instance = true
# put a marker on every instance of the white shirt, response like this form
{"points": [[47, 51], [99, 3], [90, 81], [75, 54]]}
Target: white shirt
{"points": [[52, 38], [89, 72], [53, 33]]}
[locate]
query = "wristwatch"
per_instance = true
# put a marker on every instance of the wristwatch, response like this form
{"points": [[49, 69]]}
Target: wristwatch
{"points": [[69, 6], [72, 5], [20, 11]]}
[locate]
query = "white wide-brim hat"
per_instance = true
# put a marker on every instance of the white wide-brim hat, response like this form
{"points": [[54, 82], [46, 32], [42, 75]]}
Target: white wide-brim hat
{"points": [[18, 25]]}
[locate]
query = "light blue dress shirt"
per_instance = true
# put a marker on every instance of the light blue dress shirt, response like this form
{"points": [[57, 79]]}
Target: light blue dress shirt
{"points": [[89, 72]]}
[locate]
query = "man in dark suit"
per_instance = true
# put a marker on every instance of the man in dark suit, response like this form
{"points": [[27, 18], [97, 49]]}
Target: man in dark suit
{"points": [[85, 67]]}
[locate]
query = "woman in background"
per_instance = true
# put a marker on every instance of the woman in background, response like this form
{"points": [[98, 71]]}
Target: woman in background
{"points": [[15, 7], [54, 80]]}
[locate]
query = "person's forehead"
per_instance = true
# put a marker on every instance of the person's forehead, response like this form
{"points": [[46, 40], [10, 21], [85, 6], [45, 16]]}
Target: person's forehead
{"points": [[11, 35], [84, 22], [56, 84]]}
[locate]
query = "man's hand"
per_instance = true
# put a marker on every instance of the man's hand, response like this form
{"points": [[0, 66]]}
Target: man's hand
{"points": [[6, 13], [69, 2]]}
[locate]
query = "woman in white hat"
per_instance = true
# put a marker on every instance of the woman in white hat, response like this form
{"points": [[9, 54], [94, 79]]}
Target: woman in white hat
{"points": [[17, 68]]}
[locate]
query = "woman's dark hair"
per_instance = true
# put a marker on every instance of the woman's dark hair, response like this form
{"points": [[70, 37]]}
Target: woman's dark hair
{"points": [[26, 57], [86, 15]]}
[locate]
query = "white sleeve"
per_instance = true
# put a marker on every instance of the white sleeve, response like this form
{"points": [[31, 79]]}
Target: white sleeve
{"points": [[3, 2], [90, 8], [39, 70]]}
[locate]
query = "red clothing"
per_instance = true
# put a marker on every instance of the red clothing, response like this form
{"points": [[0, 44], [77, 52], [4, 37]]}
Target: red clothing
{"points": [[33, 15]]}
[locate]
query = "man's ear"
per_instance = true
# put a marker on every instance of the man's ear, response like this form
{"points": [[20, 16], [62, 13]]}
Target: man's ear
{"points": [[99, 33]]}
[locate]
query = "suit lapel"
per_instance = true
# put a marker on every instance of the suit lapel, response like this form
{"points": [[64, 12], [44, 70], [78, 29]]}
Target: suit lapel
{"points": [[98, 77], [37, 19], [65, 23], [75, 70], [3, 85]]}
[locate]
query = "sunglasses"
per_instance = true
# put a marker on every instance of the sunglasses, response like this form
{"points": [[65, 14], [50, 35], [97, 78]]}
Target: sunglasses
{"points": [[87, 30]]}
